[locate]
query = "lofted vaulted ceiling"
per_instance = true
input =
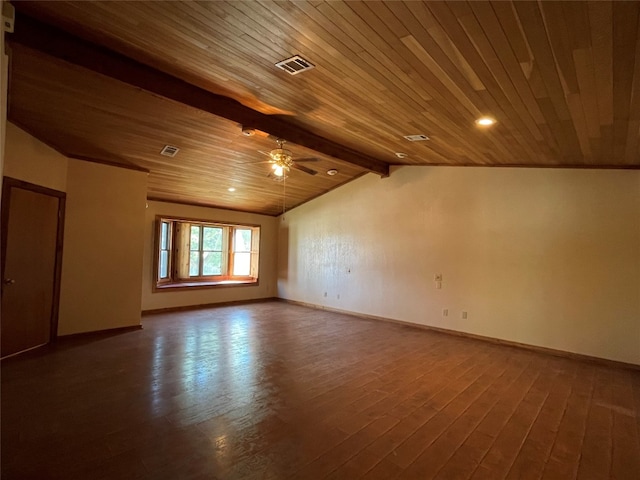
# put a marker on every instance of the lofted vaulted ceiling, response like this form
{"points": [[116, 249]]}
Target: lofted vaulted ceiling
{"points": [[116, 81]]}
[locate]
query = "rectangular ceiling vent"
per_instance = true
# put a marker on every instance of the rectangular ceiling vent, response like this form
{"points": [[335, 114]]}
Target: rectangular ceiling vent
{"points": [[295, 65], [416, 138], [169, 151]]}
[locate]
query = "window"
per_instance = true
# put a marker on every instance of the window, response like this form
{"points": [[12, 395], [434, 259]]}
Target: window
{"points": [[165, 248], [195, 253]]}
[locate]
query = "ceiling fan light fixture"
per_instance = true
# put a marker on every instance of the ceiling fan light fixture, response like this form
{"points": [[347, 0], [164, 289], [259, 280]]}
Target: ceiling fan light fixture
{"points": [[281, 156], [281, 159]]}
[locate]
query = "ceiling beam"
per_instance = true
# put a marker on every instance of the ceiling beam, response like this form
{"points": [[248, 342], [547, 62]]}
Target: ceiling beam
{"points": [[57, 43]]}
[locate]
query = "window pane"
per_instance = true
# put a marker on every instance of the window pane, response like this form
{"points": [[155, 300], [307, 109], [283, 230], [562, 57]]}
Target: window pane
{"points": [[164, 235], [212, 263], [194, 264], [164, 264], [242, 240], [242, 264], [212, 239], [194, 244]]}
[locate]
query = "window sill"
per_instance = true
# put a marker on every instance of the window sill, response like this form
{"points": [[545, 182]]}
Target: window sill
{"points": [[199, 285]]}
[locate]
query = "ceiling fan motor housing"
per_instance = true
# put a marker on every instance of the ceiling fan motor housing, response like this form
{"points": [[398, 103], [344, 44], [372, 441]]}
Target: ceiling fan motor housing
{"points": [[281, 157]]}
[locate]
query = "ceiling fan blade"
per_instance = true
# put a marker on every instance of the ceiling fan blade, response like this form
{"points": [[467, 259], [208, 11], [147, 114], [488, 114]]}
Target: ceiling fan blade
{"points": [[304, 169], [306, 159]]}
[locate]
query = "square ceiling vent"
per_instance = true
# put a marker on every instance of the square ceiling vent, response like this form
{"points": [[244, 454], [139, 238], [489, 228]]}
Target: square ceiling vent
{"points": [[295, 65], [169, 151]]}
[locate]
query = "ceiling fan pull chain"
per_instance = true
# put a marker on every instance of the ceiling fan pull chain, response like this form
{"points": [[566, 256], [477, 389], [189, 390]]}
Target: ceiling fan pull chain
{"points": [[284, 195]]}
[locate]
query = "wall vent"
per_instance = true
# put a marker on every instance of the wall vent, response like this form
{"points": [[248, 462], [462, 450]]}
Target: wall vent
{"points": [[295, 65], [169, 151], [416, 138]]}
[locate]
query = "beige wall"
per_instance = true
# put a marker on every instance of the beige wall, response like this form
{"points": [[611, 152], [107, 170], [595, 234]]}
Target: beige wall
{"points": [[106, 281], [103, 244], [104, 232], [545, 257], [180, 298], [30, 160]]}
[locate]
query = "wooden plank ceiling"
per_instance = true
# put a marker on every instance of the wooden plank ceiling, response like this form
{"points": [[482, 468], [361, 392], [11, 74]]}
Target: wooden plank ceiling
{"points": [[562, 79]]}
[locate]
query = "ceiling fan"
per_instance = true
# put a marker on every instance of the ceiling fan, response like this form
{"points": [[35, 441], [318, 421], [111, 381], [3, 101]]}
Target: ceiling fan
{"points": [[282, 162]]}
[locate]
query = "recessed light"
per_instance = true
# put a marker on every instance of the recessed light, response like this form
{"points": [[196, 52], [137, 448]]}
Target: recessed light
{"points": [[231, 189], [332, 172], [401, 155], [485, 121]]}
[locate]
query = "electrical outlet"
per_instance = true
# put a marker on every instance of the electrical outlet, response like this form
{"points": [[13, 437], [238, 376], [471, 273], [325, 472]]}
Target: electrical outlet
{"points": [[464, 314], [438, 285], [445, 312]]}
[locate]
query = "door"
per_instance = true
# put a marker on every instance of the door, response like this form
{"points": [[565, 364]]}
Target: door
{"points": [[31, 260]]}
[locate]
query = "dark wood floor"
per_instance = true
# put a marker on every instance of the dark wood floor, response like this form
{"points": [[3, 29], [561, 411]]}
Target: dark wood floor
{"points": [[275, 391]]}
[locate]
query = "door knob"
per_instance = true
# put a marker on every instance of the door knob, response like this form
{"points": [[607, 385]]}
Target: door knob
{"points": [[8, 281]]}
